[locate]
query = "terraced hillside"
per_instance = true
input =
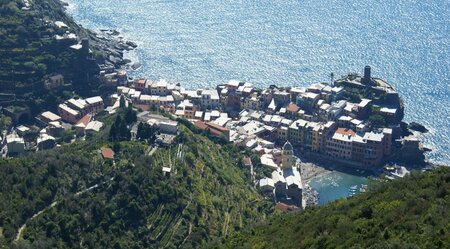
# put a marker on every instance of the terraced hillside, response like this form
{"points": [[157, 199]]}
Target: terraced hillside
{"points": [[206, 197], [36, 37]]}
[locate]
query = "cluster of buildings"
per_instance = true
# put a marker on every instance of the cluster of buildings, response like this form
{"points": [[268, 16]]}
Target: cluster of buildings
{"points": [[333, 122], [319, 119], [73, 110], [285, 185], [78, 116], [49, 127], [24, 139]]}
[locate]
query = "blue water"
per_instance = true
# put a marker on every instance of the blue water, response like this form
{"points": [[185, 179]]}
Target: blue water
{"points": [[336, 185], [287, 43]]}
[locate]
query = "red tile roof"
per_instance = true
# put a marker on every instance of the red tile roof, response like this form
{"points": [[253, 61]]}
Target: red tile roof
{"points": [[85, 120], [140, 81], [293, 108], [285, 208], [346, 132], [216, 126], [200, 125], [107, 153], [215, 129]]}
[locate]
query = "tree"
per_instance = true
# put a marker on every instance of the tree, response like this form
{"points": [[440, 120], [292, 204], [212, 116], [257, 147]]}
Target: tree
{"points": [[116, 147], [377, 121], [123, 131], [30, 136], [122, 101], [5, 122], [130, 115], [146, 132], [113, 131], [119, 130]]}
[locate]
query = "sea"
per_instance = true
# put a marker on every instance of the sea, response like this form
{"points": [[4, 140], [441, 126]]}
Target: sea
{"points": [[293, 43], [338, 184]]}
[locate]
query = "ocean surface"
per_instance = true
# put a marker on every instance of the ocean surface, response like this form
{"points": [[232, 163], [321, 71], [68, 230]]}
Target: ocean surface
{"points": [[292, 43], [336, 185]]}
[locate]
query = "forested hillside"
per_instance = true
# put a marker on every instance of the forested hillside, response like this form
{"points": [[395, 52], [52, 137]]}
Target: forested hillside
{"points": [[412, 212], [132, 203]]}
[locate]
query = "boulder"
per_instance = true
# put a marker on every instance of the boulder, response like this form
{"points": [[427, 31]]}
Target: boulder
{"points": [[417, 127]]}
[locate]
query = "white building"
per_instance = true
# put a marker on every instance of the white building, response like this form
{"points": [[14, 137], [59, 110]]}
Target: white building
{"points": [[168, 127], [15, 144], [209, 99]]}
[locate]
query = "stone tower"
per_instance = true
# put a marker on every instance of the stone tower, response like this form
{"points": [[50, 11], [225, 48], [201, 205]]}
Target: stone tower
{"points": [[367, 79], [287, 159], [85, 46]]}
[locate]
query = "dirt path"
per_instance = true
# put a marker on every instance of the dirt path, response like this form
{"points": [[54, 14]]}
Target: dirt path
{"points": [[53, 204]]}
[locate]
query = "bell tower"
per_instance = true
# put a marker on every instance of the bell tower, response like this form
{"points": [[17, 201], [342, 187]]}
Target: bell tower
{"points": [[287, 159]]}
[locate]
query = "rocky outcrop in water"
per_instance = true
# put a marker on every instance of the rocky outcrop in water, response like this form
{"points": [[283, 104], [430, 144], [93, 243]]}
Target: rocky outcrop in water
{"points": [[417, 127], [110, 48]]}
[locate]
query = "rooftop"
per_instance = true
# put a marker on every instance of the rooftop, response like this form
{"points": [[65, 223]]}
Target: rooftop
{"points": [[94, 100], [107, 153], [346, 132], [50, 116], [247, 161], [94, 126], [266, 182], [68, 109], [293, 108]]}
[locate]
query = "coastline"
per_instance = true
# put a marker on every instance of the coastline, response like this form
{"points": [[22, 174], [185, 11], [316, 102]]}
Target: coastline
{"points": [[114, 47], [108, 45], [386, 74], [310, 170]]}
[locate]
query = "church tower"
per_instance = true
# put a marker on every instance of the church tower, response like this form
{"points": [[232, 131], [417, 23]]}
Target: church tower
{"points": [[287, 159]]}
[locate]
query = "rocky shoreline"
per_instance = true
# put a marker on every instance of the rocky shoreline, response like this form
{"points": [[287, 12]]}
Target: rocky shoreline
{"points": [[109, 48], [112, 47], [107, 44]]}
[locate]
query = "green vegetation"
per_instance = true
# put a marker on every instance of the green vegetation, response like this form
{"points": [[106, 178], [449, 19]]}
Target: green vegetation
{"points": [[207, 201], [119, 129], [377, 121], [30, 53], [135, 205], [146, 132], [130, 115], [5, 122], [407, 213], [31, 183]]}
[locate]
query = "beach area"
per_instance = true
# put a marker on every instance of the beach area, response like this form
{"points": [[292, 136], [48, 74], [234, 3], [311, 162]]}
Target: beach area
{"points": [[311, 170]]}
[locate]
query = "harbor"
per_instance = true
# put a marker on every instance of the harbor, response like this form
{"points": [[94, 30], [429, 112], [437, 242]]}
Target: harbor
{"points": [[337, 185], [324, 185]]}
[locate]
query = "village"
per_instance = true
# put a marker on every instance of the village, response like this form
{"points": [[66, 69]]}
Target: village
{"points": [[332, 122]]}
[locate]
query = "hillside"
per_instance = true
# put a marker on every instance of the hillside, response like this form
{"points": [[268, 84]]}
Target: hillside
{"points": [[37, 36], [132, 204], [408, 213]]}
